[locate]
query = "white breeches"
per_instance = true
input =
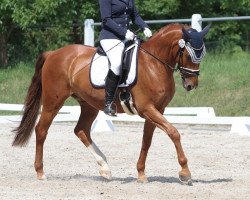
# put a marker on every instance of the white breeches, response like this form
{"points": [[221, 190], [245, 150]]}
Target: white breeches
{"points": [[114, 50]]}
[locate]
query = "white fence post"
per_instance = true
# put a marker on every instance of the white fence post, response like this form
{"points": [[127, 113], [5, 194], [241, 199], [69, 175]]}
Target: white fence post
{"points": [[196, 22], [89, 32]]}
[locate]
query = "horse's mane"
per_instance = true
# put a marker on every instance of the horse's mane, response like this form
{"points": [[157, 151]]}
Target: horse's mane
{"points": [[170, 27]]}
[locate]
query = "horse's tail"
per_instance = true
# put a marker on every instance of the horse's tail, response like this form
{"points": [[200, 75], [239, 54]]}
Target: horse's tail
{"points": [[32, 105]]}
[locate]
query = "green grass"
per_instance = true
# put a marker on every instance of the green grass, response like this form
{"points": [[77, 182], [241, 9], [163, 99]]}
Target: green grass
{"points": [[14, 82], [224, 84]]}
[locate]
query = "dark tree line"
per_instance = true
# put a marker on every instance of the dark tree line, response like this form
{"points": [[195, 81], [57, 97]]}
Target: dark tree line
{"points": [[28, 27]]}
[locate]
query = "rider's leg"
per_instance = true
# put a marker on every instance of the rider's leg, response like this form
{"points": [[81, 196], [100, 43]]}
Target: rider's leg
{"points": [[114, 49]]}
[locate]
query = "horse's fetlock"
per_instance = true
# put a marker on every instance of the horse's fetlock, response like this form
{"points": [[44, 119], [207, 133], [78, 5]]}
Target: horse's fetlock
{"points": [[183, 161], [140, 167], [38, 166]]}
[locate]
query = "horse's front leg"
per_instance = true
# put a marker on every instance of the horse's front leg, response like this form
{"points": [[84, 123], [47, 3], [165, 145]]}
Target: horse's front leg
{"points": [[146, 143], [153, 115], [82, 131]]}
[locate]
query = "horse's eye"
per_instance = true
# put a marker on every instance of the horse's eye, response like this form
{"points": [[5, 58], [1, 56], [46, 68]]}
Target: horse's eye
{"points": [[188, 57]]}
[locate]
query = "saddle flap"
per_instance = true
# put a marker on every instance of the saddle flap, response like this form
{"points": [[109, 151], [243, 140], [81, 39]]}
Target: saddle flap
{"points": [[100, 65], [126, 61]]}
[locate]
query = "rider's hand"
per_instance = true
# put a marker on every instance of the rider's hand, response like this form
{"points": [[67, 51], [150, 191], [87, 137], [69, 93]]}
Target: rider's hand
{"points": [[129, 35], [147, 32]]}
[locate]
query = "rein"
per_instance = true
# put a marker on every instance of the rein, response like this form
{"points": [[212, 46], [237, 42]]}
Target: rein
{"points": [[185, 72], [158, 59]]}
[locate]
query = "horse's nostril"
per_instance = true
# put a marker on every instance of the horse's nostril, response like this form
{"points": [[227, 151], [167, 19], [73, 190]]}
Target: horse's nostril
{"points": [[189, 87]]}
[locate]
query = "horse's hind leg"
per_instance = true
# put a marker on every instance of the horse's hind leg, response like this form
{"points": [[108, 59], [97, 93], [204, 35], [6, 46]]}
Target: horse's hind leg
{"points": [[41, 133], [49, 111], [82, 131], [146, 143]]}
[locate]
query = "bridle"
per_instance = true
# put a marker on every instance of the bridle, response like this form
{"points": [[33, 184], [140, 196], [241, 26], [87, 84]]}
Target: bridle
{"points": [[184, 71]]}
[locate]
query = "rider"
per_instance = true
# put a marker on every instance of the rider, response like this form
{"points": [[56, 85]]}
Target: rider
{"points": [[116, 16]]}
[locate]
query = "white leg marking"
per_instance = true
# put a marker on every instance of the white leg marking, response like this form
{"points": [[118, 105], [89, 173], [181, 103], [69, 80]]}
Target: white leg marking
{"points": [[101, 160]]}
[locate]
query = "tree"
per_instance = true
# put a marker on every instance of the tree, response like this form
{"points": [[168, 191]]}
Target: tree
{"points": [[53, 21], [230, 33], [162, 9], [31, 26], [6, 28]]}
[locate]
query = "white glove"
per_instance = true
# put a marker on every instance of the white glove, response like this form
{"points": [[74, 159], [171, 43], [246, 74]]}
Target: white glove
{"points": [[129, 35], [147, 32]]}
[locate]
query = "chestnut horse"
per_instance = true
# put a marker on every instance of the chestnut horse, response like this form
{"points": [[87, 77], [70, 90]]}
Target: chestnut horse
{"points": [[64, 72]]}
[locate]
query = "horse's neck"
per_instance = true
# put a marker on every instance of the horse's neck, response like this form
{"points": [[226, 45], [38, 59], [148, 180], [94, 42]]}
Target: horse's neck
{"points": [[153, 73], [162, 46]]}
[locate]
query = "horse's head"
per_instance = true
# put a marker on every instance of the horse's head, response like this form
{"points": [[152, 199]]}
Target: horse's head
{"points": [[191, 51]]}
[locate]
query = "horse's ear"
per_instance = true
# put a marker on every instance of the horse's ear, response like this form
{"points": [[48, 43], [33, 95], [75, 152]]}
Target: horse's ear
{"points": [[205, 30], [186, 34]]}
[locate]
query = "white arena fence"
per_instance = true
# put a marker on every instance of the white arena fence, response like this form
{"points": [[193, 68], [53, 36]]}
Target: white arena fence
{"points": [[195, 20], [175, 115]]}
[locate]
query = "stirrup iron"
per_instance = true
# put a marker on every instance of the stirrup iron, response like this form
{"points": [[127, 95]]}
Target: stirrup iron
{"points": [[108, 110]]}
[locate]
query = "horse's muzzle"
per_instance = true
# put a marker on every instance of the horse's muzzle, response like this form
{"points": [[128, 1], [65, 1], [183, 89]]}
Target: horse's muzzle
{"points": [[190, 83]]}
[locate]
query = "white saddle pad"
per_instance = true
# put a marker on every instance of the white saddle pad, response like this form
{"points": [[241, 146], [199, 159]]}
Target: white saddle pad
{"points": [[100, 66]]}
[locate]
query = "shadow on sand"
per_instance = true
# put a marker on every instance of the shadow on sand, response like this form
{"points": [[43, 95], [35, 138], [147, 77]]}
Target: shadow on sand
{"points": [[160, 179]]}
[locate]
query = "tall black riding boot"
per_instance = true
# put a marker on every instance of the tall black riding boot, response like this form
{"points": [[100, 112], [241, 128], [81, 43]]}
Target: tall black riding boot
{"points": [[110, 90]]}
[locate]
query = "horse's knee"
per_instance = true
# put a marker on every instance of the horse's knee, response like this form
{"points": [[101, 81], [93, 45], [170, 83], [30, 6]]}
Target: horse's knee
{"points": [[76, 130], [174, 134]]}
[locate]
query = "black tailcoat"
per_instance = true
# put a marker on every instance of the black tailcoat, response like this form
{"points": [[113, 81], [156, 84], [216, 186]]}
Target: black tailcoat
{"points": [[116, 16]]}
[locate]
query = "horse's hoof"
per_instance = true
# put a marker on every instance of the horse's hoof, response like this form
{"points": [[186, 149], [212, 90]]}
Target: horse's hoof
{"points": [[186, 180], [41, 177], [142, 180], [106, 174]]}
